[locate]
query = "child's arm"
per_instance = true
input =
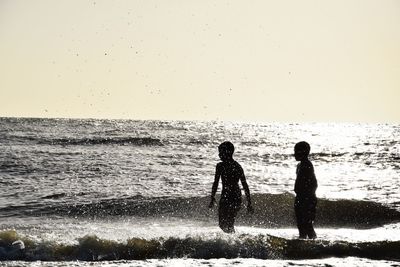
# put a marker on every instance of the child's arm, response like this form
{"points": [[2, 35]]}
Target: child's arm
{"points": [[246, 191], [313, 182], [215, 184]]}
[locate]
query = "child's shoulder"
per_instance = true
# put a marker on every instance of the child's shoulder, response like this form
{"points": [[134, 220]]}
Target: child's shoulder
{"points": [[233, 164], [305, 164], [237, 165]]}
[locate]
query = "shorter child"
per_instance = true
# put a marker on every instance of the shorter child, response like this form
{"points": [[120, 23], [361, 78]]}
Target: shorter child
{"points": [[231, 197], [305, 187]]}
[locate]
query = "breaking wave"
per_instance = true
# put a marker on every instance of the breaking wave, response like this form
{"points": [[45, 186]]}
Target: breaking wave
{"points": [[92, 248], [271, 210]]}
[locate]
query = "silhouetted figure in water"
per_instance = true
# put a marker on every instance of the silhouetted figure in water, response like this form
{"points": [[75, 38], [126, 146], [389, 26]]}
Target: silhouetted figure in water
{"points": [[305, 187], [231, 197]]}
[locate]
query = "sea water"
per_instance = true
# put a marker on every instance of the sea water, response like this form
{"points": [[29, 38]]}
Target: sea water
{"points": [[135, 193]]}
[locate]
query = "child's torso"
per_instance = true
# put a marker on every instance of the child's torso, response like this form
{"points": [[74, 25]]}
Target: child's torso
{"points": [[306, 182], [230, 176]]}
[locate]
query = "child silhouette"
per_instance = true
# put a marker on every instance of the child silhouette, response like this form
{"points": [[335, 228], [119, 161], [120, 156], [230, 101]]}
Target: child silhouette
{"points": [[230, 172], [305, 187]]}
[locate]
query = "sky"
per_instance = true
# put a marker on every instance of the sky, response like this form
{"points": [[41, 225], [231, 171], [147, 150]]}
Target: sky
{"points": [[268, 61]]}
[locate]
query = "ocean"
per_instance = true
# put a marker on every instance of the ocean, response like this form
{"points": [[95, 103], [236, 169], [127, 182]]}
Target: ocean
{"points": [[89, 192]]}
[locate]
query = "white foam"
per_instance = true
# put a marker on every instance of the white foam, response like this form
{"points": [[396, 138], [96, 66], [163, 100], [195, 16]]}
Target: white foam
{"points": [[68, 230]]}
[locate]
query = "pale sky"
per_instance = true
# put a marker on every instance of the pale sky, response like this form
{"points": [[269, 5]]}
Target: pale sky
{"points": [[290, 61]]}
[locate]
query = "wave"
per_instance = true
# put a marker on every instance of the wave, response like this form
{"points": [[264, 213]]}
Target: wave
{"points": [[138, 141], [271, 210], [92, 248], [330, 155], [313, 156]]}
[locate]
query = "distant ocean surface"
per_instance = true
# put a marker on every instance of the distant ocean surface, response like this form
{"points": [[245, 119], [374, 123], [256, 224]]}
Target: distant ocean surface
{"points": [[135, 193]]}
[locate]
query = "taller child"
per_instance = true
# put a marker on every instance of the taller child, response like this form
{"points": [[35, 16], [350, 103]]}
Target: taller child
{"points": [[231, 197], [305, 187]]}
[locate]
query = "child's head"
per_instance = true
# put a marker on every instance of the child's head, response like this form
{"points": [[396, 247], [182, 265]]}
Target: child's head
{"points": [[301, 150], [226, 150]]}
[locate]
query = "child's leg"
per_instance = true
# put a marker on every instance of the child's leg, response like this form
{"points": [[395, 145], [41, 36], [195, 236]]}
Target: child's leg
{"points": [[311, 212], [223, 216], [226, 220], [310, 230], [305, 215], [299, 212], [302, 229], [227, 214]]}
